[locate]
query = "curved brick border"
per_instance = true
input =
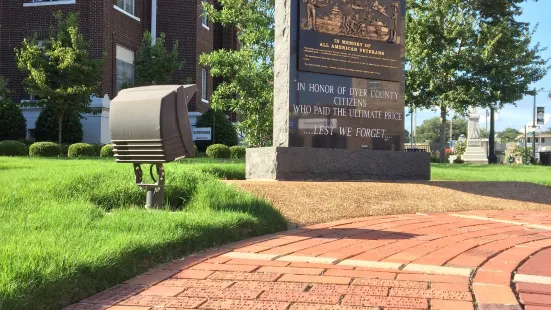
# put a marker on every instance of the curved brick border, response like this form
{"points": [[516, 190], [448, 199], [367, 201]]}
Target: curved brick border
{"points": [[533, 281], [420, 261]]}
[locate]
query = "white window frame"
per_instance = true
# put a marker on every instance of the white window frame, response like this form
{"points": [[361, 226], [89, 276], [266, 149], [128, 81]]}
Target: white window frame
{"points": [[48, 2], [124, 11], [204, 18], [128, 56], [204, 84]]}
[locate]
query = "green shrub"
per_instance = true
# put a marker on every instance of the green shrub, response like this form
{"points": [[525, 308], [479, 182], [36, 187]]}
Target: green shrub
{"points": [[44, 149], [434, 159], [218, 151], [106, 151], [97, 149], [64, 150], [224, 131], [13, 125], [238, 152], [47, 127], [13, 148], [460, 148], [81, 149], [27, 142], [196, 150]]}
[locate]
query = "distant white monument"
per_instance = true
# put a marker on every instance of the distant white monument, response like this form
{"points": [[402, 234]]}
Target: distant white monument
{"points": [[475, 153]]}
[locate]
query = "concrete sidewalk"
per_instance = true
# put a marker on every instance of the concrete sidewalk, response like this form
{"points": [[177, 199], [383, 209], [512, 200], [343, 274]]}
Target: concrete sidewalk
{"points": [[468, 260]]}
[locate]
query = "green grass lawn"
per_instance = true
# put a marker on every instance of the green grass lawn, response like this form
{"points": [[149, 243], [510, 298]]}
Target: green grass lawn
{"points": [[71, 228], [503, 173]]}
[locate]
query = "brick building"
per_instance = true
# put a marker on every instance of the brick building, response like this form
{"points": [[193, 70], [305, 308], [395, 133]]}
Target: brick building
{"points": [[115, 28]]}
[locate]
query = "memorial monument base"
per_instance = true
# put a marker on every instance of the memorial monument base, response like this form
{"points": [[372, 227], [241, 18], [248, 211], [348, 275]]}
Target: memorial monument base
{"points": [[317, 164], [475, 154]]}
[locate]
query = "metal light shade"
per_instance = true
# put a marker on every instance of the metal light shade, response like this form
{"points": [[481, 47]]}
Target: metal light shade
{"points": [[151, 125]]}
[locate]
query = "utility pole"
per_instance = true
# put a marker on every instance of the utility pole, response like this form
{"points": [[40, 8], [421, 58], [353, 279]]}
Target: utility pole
{"points": [[492, 158], [451, 130], [534, 126], [411, 132], [525, 144], [486, 120], [415, 127], [534, 129]]}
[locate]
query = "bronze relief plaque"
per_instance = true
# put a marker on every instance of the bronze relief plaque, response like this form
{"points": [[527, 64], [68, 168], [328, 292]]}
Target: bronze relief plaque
{"points": [[356, 38]]}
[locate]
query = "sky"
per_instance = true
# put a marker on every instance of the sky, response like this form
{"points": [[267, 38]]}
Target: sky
{"points": [[521, 115]]}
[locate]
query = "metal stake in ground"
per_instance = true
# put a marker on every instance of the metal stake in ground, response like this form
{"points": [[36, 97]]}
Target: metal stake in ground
{"points": [[155, 192]]}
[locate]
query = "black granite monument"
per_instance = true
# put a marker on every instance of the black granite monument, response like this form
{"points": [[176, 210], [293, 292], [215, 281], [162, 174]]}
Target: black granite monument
{"points": [[339, 94]]}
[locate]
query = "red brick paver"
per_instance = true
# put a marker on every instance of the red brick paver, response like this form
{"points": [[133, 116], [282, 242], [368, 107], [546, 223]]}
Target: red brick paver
{"points": [[463, 261]]}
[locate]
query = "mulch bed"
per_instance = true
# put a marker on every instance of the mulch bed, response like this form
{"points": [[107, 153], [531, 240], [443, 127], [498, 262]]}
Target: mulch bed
{"points": [[305, 203]]}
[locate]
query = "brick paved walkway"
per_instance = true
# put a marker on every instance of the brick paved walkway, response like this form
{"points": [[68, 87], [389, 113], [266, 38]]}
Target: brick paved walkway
{"points": [[468, 260]]}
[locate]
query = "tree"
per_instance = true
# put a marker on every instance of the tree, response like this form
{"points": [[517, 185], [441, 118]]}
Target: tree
{"points": [[437, 72], [407, 136], [46, 127], [247, 74], [154, 64], [61, 73], [13, 125], [223, 131], [508, 135], [429, 130], [467, 53], [505, 62]]}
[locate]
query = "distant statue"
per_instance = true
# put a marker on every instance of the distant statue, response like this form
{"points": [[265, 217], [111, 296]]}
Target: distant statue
{"points": [[475, 133]]}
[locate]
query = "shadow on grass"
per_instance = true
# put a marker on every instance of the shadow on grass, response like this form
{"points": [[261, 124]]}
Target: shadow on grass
{"points": [[83, 281], [6, 168], [199, 192], [519, 191]]}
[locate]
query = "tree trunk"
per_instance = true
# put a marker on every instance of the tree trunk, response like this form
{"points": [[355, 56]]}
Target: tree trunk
{"points": [[442, 135], [59, 128]]}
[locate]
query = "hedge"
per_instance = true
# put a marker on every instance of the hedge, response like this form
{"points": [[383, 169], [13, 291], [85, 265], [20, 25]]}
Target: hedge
{"points": [[64, 150], [47, 127], [44, 149], [81, 149], [238, 152], [13, 148], [224, 131], [106, 151], [13, 125], [218, 151]]}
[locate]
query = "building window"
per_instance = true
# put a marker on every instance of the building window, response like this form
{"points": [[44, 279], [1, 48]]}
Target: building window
{"points": [[542, 140], [204, 86], [529, 140], [204, 18], [126, 5], [125, 67], [48, 2]]}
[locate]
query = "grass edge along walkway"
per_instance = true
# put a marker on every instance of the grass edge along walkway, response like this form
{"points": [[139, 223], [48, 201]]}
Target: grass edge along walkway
{"points": [[72, 228], [491, 173]]}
